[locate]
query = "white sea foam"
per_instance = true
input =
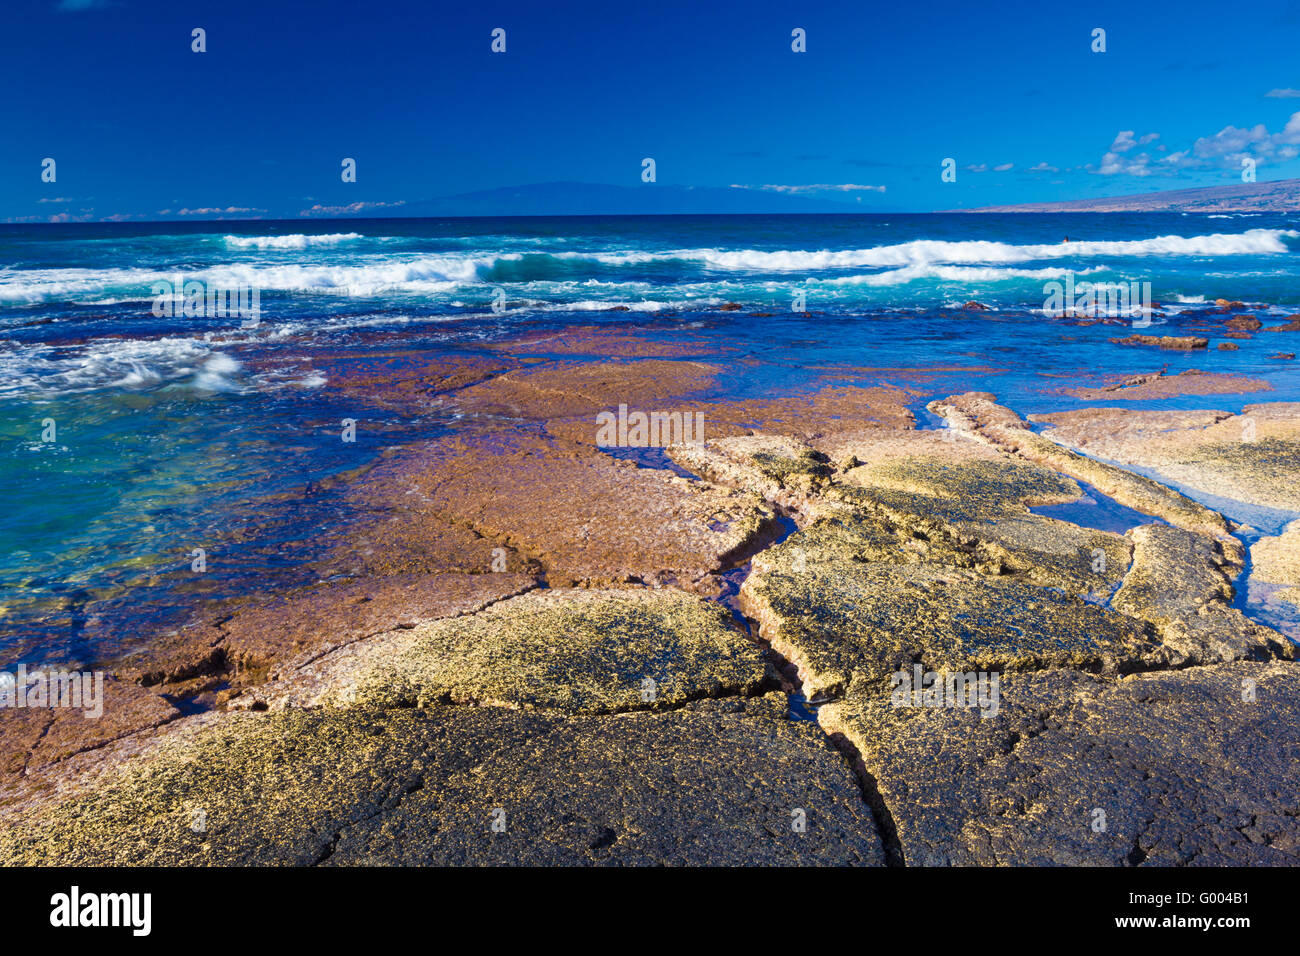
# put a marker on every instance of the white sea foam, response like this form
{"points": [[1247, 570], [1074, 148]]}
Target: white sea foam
{"points": [[950, 274], [216, 373], [114, 363], [294, 241], [932, 251], [437, 274]]}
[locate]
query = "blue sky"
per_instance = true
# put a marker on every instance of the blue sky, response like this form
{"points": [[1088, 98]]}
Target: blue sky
{"points": [[142, 127]]}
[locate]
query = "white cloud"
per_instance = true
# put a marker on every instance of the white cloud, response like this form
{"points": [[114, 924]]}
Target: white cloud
{"points": [[1043, 168], [1003, 168], [1284, 94], [815, 188], [1224, 150], [351, 208]]}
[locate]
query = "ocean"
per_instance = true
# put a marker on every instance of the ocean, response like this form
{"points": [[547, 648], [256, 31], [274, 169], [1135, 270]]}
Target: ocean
{"points": [[133, 434]]}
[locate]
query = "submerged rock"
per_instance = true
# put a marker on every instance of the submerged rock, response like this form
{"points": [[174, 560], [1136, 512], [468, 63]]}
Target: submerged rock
{"points": [[1158, 385]]}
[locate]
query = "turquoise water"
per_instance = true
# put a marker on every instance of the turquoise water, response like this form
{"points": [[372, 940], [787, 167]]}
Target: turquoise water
{"points": [[178, 432]]}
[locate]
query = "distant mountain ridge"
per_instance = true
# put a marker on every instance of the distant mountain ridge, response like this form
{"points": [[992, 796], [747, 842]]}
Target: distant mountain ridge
{"points": [[1280, 196]]}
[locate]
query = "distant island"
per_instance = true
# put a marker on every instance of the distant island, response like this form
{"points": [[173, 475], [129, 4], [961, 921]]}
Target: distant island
{"points": [[1280, 196]]}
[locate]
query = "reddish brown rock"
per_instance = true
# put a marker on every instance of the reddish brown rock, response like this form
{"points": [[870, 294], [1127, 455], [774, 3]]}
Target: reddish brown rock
{"points": [[1228, 347], [31, 738], [1158, 385], [1292, 325], [572, 389], [605, 342], [582, 515], [1179, 342], [240, 643], [397, 379], [1244, 323]]}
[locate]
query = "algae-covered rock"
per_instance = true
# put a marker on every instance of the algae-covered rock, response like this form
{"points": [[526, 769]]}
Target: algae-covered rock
{"points": [[847, 623], [1190, 767], [1181, 582], [977, 415], [476, 785], [574, 651], [975, 510], [785, 471]]}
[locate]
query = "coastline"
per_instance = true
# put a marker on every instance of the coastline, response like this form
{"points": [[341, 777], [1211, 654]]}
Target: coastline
{"points": [[767, 583]]}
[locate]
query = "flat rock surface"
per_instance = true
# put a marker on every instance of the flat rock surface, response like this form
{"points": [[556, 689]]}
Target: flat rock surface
{"points": [[564, 389], [575, 651], [1158, 385], [32, 738], [1181, 768], [1253, 457], [853, 624], [410, 786], [244, 640], [582, 515], [977, 415], [1276, 560]]}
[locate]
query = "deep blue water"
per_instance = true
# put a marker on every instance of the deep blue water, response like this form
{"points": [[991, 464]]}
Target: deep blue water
{"points": [[180, 432]]}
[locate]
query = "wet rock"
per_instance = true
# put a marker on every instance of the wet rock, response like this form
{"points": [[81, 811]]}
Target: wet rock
{"points": [[574, 651], [1158, 385], [1166, 768], [410, 786], [242, 643], [823, 415], [974, 306], [35, 737], [1253, 457], [582, 515], [603, 342], [1276, 560], [570, 389], [398, 379], [1181, 342], [977, 415], [1283, 356], [1244, 323], [1228, 347]]}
